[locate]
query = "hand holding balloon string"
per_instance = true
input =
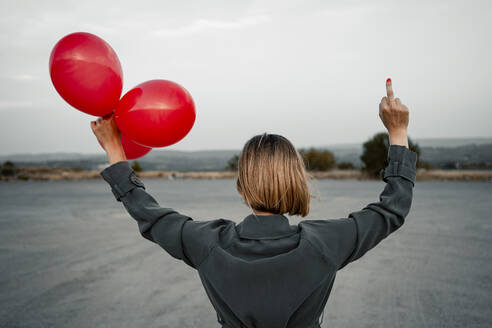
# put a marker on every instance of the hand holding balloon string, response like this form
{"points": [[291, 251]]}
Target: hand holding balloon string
{"points": [[107, 133]]}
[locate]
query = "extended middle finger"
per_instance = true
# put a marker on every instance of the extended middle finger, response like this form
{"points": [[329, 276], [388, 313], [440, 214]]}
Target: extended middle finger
{"points": [[389, 90]]}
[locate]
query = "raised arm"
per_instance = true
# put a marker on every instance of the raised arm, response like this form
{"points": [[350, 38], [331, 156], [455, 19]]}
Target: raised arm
{"points": [[181, 236], [343, 240], [158, 224], [379, 219]]}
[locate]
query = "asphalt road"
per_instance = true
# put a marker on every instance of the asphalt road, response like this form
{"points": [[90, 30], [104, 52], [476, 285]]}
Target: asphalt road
{"points": [[70, 256]]}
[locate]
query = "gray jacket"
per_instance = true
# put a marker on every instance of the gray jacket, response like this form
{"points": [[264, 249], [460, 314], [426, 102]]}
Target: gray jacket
{"points": [[264, 272]]}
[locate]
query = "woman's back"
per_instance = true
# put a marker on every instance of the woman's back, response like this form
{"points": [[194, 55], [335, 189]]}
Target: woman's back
{"points": [[266, 278]]}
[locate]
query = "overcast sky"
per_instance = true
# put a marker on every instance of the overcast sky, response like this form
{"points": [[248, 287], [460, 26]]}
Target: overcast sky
{"points": [[313, 71]]}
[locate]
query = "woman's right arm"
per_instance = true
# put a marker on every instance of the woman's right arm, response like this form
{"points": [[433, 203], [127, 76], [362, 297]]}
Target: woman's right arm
{"points": [[344, 240], [379, 219]]}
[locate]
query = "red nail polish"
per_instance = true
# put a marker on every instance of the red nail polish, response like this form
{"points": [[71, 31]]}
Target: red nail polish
{"points": [[388, 80]]}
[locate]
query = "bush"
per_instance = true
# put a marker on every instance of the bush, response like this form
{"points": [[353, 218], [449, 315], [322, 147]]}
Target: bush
{"points": [[375, 153], [136, 166], [232, 164], [8, 169], [318, 160], [424, 165], [345, 166], [450, 166]]}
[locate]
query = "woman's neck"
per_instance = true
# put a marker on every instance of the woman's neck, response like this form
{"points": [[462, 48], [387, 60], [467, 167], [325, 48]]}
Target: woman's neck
{"points": [[262, 213]]}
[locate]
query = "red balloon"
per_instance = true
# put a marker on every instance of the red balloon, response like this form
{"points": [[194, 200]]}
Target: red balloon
{"points": [[87, 73], [156, 113], [132, 150]]}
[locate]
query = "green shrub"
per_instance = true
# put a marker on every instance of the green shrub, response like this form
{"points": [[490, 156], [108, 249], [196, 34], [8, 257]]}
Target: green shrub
{"points": [[136, 166], [232, 164], [375, 153], [318, 160], [345, 166], [8, 169]]}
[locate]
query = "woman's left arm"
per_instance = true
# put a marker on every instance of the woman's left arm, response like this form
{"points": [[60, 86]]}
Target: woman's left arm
{"points": [[179, 235], [161, 225], [157, 224]]}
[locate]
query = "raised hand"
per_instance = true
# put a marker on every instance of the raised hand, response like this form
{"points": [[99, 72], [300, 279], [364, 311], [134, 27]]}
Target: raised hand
{"points": [[107, 133], [394, 115]]}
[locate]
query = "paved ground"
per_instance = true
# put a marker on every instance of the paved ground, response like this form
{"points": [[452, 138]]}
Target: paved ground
{"points": [[70, 256]]}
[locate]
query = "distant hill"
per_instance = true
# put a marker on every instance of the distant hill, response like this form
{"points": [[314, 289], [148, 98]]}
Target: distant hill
{"points": [[452, 142], [464, 156], [157, 159], [427, 142], [447, 153]]}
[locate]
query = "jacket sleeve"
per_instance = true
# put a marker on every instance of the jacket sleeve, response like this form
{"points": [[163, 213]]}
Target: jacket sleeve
{"points": [[369, 226], [162, 225]]}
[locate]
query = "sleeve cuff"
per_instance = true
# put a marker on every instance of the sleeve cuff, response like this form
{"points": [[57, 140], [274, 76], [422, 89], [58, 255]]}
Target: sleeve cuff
{"points": [[122, 178], [401, 162]]}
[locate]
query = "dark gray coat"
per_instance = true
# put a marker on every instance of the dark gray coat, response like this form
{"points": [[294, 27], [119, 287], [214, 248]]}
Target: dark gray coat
{"points": [[264, 272]]}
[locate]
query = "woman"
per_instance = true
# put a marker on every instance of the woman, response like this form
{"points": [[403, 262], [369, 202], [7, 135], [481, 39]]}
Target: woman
{"points": [[264, 272]]}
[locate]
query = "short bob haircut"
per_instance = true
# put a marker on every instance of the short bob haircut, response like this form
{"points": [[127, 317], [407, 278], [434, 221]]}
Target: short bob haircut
{"points": [[272, 176]]}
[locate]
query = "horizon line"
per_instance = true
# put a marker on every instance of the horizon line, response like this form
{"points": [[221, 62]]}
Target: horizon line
{"points": [[236, 149]]}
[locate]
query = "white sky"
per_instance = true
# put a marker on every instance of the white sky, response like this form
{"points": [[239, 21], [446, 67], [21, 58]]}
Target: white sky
{"points": [[313, 71]]}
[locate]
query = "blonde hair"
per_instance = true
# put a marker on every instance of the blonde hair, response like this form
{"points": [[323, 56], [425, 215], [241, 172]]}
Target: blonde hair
{"points": [[272, 176]]}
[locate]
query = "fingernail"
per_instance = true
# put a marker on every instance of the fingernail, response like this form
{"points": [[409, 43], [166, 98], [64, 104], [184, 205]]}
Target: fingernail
{"points": [[388, 80]]}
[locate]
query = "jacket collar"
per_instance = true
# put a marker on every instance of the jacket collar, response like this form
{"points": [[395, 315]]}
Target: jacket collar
{"points": [[270, 226]]}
